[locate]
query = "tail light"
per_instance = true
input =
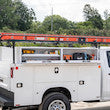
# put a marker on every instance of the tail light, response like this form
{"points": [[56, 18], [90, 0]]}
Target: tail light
{"points": [[99, 66], [11, 72]]}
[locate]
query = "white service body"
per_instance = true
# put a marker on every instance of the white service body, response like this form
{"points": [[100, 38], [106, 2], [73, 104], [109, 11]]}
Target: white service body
{"points": [[83, 79]]}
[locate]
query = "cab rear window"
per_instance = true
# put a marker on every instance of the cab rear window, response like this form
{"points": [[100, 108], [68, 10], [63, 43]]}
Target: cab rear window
{"points": [[108, 57]]}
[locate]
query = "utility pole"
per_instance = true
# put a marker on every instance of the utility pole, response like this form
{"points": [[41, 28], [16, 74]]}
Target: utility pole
{"points": [[52, 20]]}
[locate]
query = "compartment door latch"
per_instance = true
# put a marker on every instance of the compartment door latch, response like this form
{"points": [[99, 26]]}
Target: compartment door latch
{"points": [[81, 82]]}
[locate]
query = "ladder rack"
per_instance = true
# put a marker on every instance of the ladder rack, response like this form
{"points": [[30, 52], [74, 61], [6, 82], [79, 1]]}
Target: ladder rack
{"points": [[18, 37]]}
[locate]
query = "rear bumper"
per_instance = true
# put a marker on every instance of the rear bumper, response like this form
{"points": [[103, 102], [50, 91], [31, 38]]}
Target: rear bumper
{"points": [[6, 98]]}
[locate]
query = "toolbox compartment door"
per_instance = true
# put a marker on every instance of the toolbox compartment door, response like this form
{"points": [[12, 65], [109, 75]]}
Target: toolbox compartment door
{"points": [[89, 81]]}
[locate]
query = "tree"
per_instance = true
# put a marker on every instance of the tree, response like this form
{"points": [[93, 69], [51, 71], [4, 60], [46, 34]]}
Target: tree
{"points": [[58, 22], [107, 19], [15, 15], [6, 14], [84, 25], [37, 27], [93, 16], [25, 15]]}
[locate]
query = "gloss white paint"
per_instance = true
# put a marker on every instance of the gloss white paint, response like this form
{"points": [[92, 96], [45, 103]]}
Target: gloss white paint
{"points": [[83, 78]]}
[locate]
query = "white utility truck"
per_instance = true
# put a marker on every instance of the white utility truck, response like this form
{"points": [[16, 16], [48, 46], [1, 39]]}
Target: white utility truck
{"points": [[53, 77]]}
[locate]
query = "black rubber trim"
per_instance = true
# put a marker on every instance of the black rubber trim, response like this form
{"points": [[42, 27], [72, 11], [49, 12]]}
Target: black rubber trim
{"points": [[6, 98]]}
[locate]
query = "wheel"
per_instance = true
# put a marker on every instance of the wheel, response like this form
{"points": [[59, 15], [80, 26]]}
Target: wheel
{"points": [[55, 101]]}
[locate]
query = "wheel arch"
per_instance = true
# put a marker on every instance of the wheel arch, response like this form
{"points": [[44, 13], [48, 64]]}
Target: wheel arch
{"points": [[63, 90]]}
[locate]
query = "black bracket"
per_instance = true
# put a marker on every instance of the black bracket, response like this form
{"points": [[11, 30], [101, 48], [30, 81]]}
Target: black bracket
{"points": [[96, 44]]}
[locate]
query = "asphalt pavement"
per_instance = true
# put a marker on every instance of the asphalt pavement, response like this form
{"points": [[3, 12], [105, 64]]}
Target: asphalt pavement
{"points": [[91, 106], [85, 106]]}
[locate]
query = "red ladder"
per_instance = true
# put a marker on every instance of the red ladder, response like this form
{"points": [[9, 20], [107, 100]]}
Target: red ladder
{"points": [[53, 38]]}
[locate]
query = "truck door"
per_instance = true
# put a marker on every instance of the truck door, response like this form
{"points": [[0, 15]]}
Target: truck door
{"points": [[105, 63]]}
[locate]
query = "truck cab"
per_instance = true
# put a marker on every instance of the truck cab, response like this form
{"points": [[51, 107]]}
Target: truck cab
{"points": [[105, 67]]}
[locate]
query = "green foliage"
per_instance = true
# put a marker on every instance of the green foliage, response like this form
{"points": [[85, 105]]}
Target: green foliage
{"points": [[25, 16], [107, 20], [7, 29], [6, 8], [93, 16], [42, 44], [37, 27], [58, 23], [85, 25], [15, 15]]}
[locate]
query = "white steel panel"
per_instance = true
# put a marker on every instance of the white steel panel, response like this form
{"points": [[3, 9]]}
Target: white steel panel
{"points": [[105, 74], [23, 95], [90, 90]]}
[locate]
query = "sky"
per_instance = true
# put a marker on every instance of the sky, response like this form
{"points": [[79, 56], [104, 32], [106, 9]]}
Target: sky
{"points": [[69, 9]]}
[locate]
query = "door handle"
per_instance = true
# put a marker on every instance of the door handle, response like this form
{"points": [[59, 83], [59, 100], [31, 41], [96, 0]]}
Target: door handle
{"points": [[108, 73]]}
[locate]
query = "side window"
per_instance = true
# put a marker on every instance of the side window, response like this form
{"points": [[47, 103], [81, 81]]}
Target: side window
{"points": [[108, 57]]}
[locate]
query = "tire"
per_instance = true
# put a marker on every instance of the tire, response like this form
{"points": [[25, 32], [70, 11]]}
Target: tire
{"points": [[55, 101], [6, 108]]}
